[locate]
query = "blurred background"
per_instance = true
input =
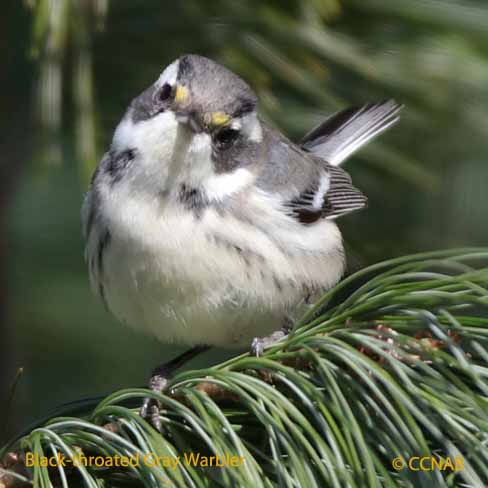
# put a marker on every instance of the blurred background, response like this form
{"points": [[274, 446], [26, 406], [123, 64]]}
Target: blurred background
{"points": [[69, 70]]}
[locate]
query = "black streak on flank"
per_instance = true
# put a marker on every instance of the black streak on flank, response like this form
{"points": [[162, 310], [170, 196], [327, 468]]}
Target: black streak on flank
{"points": [[92, 215], [277, 283], [247, 255], [102, 246], [117, 163]]}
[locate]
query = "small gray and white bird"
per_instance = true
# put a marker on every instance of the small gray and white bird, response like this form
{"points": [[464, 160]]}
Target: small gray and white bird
{"points": [[205, 226]]}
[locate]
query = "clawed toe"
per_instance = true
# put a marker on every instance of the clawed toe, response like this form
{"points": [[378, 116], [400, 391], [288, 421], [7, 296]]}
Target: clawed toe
{"points": [[257, 347], [155, 415], [145, 407], [260, 343], [151, 411], [151, 408]]}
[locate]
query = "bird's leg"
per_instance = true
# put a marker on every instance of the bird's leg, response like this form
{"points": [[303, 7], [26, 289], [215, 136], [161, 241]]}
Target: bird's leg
{"points": [[150, 408], [260, 343]]}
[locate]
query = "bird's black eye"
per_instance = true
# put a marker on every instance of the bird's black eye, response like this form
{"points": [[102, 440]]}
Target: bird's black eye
{"points": [[165, 92], [226, 136]]}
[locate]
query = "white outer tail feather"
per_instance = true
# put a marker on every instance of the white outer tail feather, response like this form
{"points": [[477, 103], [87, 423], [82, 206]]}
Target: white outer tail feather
{"points": [[346, 132]]}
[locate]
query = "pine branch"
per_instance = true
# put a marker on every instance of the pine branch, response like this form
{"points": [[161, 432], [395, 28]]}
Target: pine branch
{"points": [[391, 362]]}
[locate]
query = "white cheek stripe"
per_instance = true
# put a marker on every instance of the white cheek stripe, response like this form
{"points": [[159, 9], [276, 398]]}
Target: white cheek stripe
{"points": [[221, 185]]}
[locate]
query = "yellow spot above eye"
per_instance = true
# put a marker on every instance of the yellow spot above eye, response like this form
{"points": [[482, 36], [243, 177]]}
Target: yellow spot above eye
{"points": [[219, 118], [181, 94]]}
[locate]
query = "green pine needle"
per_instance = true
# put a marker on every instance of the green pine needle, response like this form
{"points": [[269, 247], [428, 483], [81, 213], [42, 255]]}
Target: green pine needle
{"points": [[392, 362]]}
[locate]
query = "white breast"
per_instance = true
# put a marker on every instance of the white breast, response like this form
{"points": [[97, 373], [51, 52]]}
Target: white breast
{"points": [[211, 279]]}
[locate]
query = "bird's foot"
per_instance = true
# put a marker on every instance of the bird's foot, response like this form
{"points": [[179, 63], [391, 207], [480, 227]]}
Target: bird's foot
{"points": [[260, 343], [151, 408]]}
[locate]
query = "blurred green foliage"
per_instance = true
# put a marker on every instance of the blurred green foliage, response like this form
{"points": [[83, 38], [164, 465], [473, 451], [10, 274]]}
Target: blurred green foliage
{"points": [[426, 179]]}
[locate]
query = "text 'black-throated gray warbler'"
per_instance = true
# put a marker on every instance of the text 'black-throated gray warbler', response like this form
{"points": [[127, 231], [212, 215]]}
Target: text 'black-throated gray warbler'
{"points": [[205, 226]]}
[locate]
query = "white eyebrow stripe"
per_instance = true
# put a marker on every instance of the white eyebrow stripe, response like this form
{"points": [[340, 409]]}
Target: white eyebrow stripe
{"points": [[169, 74], [252, 126]]}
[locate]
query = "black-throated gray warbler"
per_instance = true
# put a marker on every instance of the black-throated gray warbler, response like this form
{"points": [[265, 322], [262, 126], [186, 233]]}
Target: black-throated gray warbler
{"points": [[204, 226]]}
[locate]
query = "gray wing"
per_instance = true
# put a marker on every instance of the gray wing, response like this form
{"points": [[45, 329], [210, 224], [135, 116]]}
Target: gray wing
{"points": [[309, 187], [332, 196]]}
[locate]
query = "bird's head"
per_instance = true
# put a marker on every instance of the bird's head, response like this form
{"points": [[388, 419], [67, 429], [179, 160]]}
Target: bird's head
{"points": [[197, 122]]}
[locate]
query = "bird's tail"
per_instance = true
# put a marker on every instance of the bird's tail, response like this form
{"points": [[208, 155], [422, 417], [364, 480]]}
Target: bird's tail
{"points": [[343, 133]]}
